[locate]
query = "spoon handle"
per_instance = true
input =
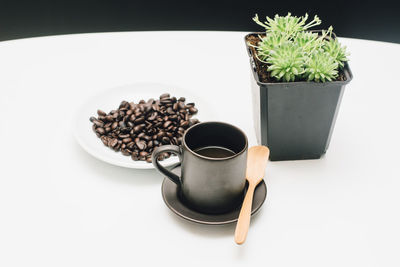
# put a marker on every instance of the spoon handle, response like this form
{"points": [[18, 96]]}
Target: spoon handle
{"points": [[243, 223]]}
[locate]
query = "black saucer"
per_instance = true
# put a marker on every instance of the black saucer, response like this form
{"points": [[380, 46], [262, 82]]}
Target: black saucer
{"points": [[170, 195]]}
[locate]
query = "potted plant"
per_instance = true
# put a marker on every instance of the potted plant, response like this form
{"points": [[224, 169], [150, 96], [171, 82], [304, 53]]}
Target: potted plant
{"points": [[298, 81]]}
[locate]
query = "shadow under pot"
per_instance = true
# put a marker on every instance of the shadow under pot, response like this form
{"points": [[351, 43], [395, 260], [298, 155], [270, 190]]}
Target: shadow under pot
{"points": [[213, 158], [294, 119]]}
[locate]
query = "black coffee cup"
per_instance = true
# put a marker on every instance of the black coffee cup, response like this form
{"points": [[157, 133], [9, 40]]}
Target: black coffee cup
{"points": [[213, 158]]}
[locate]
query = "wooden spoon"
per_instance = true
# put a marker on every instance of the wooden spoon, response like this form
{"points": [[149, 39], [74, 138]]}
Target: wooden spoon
{"points": [[257, 159]]}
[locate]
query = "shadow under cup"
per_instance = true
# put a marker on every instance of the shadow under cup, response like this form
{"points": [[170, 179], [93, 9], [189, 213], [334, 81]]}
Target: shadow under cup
{"points": [[213, 182]]}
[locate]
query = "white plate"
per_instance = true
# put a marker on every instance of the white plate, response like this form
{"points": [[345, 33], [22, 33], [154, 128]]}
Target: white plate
{"points": [[110, 100]]}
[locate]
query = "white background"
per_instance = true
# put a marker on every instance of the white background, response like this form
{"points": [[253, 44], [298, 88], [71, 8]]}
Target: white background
{"points": [[61, 207]]}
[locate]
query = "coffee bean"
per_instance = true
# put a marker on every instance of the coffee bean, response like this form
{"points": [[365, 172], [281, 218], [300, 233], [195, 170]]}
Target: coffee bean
{"points": [[152, 117], [165, 95], [150, 144], [170, 111], [147, 108], [166, 124], [122, 136], [141, 145], [173, 117], [127, 140], [165, 101], [142, 127], [109, 118], [104, 139], [137, 128], [131, 146], [184, 124], [139, 120], [143, 154], [123, 104], [126, 152], [122, 124], [100, 130], [181, 105], [193, 110], [126, 130], [160, 135], [98, 123], [101, 113], [113, 142]]}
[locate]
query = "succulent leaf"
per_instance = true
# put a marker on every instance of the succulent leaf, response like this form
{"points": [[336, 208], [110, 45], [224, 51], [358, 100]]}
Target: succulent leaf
{"points": [[288, 25], [269, 43], [286, 62], [321, 67], [308, 41], [337, 51]]}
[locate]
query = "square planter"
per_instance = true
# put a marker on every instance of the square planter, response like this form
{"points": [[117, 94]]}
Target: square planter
{"points": [[295, 119]]}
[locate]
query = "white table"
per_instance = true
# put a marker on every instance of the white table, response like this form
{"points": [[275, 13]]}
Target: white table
{"points": [[61, 207]]}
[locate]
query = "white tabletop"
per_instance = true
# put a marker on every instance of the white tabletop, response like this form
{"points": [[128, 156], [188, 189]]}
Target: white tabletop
{"points": [[61, 207]]}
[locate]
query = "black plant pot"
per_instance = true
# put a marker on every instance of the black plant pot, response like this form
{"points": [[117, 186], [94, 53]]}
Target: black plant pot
{"points": [[295, 119]]}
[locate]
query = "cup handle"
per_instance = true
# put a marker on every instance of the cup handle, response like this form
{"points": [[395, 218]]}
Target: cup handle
{"points": [[162, 149]]}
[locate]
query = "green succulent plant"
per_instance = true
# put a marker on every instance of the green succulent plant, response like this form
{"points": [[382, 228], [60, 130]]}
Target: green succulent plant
{"points": [[294, 53], [286, 62], [321, 67], [336, 51]]}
